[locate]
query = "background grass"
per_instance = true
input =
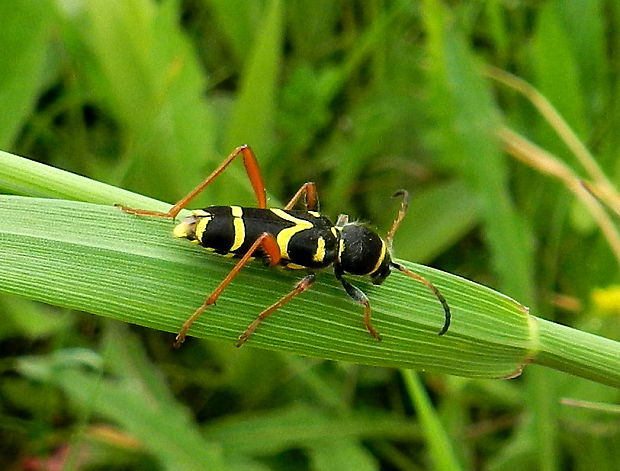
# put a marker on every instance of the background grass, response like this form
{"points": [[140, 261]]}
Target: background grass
{"points": [[363, 98]]}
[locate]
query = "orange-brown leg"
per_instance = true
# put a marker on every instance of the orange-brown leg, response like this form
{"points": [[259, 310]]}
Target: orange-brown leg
{"points": [[401, 215], [308, 190], [430, 286], [390, 238], [251, 166], [302, 286], [265, 241]]}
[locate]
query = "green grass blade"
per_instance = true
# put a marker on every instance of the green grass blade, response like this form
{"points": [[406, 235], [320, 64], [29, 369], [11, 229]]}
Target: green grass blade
{"points": [[96, 258], [578, 353], [166, 126], [162, 426], [293, 426], [253, 116], [101, 260], [27, 177], [237, 20], [555, 67], [440, 448], [23, 46], [335, 455], [454, 209], [470, 120]]}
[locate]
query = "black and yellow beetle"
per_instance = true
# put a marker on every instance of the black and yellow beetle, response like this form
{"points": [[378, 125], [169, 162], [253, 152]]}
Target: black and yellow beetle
{"points": [[296, 239]]}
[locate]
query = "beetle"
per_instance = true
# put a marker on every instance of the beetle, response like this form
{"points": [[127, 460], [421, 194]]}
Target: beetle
{"points": [[302, 239]]}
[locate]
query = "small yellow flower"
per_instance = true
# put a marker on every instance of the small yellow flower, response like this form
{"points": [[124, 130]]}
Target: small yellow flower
{"points": [[607, 300]]}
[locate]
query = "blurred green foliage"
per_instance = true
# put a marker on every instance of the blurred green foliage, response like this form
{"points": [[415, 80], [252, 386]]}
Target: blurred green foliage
{"points": [[363, 98]]}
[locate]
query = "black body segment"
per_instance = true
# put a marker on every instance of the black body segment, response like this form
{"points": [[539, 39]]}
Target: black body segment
{"points": [[306, 239], [362, 251], [216, 231]]}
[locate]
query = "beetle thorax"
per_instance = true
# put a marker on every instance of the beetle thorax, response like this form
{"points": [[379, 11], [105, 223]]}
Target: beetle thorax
{"points": [[362, 251]]}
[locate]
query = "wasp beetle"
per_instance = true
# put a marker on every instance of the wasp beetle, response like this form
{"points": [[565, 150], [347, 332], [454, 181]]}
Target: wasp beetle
{"points": [[292, 238]]}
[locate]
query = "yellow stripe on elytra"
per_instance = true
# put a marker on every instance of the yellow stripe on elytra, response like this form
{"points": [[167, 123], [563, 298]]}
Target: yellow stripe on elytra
{"points": [[319, 255], [285, 235], [238, 226], [201, 226], [381, 257]]}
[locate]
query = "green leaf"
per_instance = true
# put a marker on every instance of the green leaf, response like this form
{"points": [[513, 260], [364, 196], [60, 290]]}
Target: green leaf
{"points": [[297, 426], [166, 125], [96, 258], [440, 448], [454, 210], [556, 68], [236, 22], [26, 177], [335, 455], [470, 121], [137, 400], [254, 111], [23, 38]]}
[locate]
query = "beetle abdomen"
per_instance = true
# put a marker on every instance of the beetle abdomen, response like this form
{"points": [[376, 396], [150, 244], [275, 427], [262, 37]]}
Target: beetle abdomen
{"points": [[306, 238]]}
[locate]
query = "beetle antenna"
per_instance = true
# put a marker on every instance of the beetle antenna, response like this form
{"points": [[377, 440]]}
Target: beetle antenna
{"points": [[399, 218], [429, 285]]}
